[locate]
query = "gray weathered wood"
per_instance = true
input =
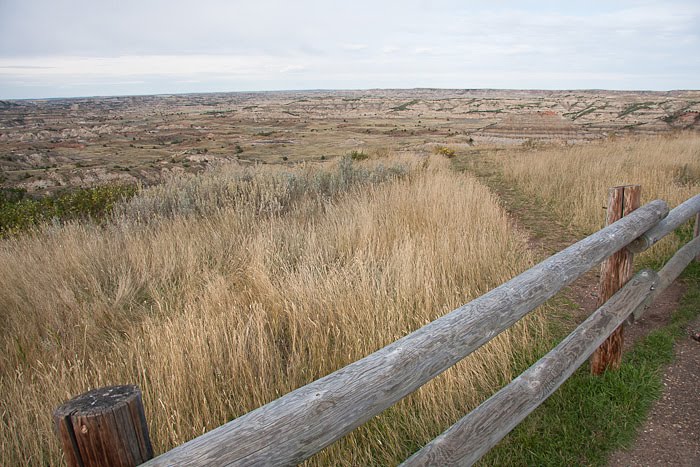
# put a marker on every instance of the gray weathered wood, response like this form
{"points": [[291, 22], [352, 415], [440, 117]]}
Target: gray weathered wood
{"points": [[696, 232], [678, 215], [474, 435], [671, 270], [301, 423]]}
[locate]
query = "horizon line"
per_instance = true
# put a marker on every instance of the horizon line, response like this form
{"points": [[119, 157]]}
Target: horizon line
{"points": [[101, 96]]}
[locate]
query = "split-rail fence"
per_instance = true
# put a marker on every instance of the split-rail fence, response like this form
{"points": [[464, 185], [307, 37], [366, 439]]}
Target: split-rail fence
{"points": [[107, 427]]}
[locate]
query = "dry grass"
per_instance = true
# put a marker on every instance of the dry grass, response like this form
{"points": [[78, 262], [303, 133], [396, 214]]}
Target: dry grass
{"points": [[574, 181], [216, 294]]}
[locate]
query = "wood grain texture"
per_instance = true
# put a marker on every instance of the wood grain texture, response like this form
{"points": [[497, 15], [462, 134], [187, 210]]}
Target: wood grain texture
{"points": [[614, 273], [696, 232], [294, 427], [104, 427], [676, 217], [474, 435], [671, 270]]}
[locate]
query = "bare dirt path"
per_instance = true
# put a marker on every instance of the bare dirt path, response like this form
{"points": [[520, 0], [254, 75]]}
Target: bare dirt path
{"points": [[546, 235], [671, 433]]}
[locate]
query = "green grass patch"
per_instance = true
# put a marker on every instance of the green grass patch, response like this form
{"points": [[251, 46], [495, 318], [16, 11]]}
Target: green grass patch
{"points": [[585, 111], [635, 107], [404, 106], [20, 212], [632, 126], [678, 113], [358, 155], [495, 111], [218, 113], [589, 416]]}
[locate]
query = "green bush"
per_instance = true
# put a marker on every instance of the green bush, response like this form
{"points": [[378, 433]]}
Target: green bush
{"points": [[358, 155], [445, 151], [20, 212]]}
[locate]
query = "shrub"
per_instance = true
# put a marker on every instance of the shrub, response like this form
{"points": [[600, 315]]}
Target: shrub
{"points": [[20, 212], [358, 155], [445, 151]]}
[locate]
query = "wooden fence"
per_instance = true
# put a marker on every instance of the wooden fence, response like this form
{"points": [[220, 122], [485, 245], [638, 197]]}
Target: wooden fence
{"points": [[303, 422]]}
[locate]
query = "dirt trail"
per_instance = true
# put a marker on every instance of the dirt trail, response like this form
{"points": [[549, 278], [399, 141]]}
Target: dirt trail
{"points": [[546, 234], [671, 433]]}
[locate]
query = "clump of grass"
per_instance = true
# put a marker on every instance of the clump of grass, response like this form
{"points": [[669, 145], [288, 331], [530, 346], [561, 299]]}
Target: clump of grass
{"points": [[265, 190], [405, 105], [445, 151], [220, 292], [687, 175], [358, 155], [635, 107]]}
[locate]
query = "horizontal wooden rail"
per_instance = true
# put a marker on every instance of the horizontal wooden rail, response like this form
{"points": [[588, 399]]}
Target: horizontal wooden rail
{"points": [[696, 232], [301, 423], [671, 270], [678, 215], [475, 434]]}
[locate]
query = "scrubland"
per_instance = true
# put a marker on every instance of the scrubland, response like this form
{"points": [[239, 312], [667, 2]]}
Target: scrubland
{"points": [[219, 292]]}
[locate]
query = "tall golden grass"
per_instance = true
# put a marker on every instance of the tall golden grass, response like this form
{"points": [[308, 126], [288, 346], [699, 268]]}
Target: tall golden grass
{"points": [[574, 181], [221, 292]]}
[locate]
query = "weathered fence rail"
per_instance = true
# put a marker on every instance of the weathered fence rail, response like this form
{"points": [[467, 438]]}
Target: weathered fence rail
{"points": [[475, 434], [676, 217], [296, 426]]}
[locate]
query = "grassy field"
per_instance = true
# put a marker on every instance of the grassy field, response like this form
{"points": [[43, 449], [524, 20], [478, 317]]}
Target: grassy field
{"points": [[219, 292], [573, 181]]}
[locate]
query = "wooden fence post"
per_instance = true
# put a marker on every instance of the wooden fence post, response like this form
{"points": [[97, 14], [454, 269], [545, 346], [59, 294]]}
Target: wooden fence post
{"points": [[614, 273], [104, 427], [697, 232]]}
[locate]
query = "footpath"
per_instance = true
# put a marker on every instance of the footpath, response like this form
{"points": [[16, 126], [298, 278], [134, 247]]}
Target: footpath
{"points": [[671, 434]]}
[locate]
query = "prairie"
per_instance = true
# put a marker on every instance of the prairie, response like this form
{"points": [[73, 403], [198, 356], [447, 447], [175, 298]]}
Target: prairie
{"points": [[276, 238], [573, 181], [219, 292]]}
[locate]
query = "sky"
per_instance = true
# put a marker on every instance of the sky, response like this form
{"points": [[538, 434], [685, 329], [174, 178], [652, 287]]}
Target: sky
{"points": [[71, 48]]}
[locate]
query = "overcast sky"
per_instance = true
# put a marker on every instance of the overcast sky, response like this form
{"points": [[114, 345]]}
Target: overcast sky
{"points": [[62, 48]]}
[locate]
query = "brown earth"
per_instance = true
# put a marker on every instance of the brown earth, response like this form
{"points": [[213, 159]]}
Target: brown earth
{"points": [[46, 145], [671, 433]]}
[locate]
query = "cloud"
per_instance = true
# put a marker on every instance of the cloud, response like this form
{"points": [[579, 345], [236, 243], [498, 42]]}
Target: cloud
{"points": [[424, 50], [354, 47], [26, 67], [238, 45], [292, 68]]}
